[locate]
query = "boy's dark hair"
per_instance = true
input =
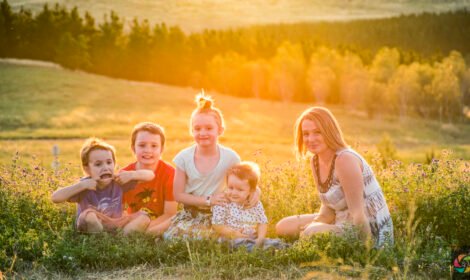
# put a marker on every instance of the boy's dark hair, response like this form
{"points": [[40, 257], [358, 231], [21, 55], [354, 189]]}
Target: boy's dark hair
{"points": [[149, 127], [92, 144], [246, 170]]}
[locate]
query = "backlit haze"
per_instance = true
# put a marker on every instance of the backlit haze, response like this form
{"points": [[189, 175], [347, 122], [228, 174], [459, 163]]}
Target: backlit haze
{"points": [[196, 15]]}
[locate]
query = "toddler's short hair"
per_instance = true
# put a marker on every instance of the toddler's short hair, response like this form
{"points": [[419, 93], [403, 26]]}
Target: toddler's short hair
{"points": [[149, 127], [92, 144], [246, 170]]}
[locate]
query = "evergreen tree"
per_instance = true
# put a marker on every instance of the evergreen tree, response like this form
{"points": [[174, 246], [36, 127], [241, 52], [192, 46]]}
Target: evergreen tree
{"points": [[73, 52]]}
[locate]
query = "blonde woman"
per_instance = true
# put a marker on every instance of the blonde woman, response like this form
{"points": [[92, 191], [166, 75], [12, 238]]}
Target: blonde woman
{"points": [[349, 192]]}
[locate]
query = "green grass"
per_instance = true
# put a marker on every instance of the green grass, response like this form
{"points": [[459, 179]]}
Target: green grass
{"points": [[426, 201], [41, 107]]}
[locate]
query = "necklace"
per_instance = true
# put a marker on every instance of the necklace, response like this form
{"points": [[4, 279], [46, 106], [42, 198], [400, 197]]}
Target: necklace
{"points": [[324, 186]]}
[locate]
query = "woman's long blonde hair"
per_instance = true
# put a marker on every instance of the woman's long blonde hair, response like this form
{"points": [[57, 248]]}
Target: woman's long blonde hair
{"points": [[326, 123]]}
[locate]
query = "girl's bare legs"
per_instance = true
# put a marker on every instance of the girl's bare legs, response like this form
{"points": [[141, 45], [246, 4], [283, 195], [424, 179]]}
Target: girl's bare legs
{"points": [[292, 226], [158, 227]]}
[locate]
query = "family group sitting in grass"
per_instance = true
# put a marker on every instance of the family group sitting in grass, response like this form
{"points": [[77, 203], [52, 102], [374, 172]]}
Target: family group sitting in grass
{"points": [[218, 192]]}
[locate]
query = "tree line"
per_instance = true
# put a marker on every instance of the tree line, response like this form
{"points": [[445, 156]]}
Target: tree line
{"points": [[408, 65]]}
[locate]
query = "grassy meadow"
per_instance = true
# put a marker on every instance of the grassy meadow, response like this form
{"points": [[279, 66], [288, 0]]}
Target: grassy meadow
{"points": [[43, 106]]}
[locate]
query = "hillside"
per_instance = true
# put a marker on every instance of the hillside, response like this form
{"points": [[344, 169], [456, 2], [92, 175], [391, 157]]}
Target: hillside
{"points": [[46, 105]]}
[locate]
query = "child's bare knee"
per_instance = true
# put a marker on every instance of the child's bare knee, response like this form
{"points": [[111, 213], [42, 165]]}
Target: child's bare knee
{"points": [[91, 218], [144, 220], [138, 224]]}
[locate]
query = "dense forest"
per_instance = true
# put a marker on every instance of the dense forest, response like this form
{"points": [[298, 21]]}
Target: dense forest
{"points": [[414, 65]]}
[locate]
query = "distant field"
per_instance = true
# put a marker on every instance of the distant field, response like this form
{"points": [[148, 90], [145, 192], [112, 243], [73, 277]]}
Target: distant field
{"points": [[215, 14], [43, 106]]}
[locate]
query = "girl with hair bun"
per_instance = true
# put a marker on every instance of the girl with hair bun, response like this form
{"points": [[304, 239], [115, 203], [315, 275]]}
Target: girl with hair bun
{"points": [[350, 194], [200, 172]]}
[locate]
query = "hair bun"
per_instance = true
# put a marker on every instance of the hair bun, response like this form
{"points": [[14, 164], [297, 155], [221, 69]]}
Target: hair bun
{"points": [[204, 101], [93, 141]]}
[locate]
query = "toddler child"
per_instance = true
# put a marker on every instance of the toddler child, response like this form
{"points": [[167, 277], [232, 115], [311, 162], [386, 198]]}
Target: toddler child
{"points": [[99, 194], [232, 220], [156, 196]]}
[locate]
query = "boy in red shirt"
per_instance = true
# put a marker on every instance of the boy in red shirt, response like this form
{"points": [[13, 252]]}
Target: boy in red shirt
{"points": [[154, 197]]}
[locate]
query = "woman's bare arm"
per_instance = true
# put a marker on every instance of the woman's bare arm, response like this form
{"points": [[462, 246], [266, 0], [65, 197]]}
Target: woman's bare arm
{"points": [[349, 171]]}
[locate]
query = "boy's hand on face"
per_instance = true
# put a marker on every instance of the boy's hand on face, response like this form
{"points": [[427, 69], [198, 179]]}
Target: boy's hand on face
{"points": [[124, 176], [89, 184]]}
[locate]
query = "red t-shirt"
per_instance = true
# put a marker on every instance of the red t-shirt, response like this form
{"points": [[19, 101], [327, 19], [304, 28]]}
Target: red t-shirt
{"points": [[150, 196]]}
